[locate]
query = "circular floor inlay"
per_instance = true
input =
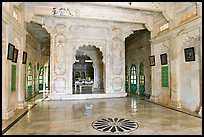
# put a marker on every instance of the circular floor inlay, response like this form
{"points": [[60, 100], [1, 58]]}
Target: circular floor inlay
{"points": [[115, 125]]}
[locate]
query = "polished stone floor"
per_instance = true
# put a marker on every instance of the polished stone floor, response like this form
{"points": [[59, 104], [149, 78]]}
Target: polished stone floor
{"points": [[75, 117]]}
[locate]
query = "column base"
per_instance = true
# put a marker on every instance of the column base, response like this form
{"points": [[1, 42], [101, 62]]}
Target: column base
{"points": [[200, 112], [6, 114], [154, 98], [22, 105], [175, 104]]}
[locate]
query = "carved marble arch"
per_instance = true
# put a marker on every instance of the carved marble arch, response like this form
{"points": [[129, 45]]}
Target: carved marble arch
{"points": [[92, 55], [100, 45], [89, 54]]}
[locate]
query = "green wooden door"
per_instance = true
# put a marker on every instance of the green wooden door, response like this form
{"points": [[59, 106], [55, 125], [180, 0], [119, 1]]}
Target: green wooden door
{"points": [[133, 79], [141, 80], [40, 78], [34, 78], [30, 79], [126, 79]]}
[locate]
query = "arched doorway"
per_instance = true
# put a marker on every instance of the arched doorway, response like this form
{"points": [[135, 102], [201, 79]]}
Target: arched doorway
{"points": [[133, 79], [77, 75], [91, 60], [83, 75], [141, 80], [30, 79]]}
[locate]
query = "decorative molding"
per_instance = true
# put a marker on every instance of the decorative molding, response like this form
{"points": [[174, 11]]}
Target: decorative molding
{"points": [[59, 84], [100, 44], [60, 28], [117, 55], [117, 83], [59, 53], [8, 19]]}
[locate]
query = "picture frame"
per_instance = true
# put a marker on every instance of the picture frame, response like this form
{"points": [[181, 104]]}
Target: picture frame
{"points": [[15, 55], [24, 60], [152, 60], [189, 54], [163, 58], [10, 54]]}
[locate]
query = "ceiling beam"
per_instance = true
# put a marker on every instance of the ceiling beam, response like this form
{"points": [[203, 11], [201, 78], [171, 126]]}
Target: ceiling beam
{"points": [[115, 15]]}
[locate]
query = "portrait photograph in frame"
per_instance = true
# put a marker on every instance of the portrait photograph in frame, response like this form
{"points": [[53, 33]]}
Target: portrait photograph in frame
{"points": [[163, 58], [24, 57], [152, 60], [15, 55], [10, 54], [189, 54]]}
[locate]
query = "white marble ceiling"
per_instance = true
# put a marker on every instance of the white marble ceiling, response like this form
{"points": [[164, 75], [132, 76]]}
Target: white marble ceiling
{"points": [[136, 13]]}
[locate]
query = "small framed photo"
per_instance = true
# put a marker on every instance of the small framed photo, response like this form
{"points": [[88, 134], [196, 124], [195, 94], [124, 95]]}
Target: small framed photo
{"points": [[24, 57], [189, 54], [163, 58], [152, 60], [15, 55], [10, 54]]}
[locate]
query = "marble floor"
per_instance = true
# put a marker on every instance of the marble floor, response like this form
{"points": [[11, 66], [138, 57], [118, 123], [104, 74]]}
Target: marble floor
{"points": [[76, 117]]}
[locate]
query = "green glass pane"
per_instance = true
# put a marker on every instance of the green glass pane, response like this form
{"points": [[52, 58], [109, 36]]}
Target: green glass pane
{"points": [[13, 78], [133, 79], [164, 76]]}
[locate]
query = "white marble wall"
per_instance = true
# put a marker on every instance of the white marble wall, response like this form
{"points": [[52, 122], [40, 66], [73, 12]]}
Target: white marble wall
{"points": [[68, 37], [12, 32], [184, 89]]}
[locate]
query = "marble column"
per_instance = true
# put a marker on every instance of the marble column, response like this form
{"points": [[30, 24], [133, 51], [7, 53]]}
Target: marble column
{"points": [[108, 67], [7, 111], [20, 77], [154, 94], [200, 71], [174, 73], [52, 39]]}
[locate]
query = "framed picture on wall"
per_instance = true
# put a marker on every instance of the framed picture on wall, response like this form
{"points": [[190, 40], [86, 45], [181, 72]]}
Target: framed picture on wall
{"points": [[11, 48], [163, 58], [189, 54], [15, 55], [152, 60], [24, 57]]}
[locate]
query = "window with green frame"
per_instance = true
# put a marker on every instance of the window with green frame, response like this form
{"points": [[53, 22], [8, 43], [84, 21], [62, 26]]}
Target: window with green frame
{"points": [[30, 79], [40, 78], [30, 76], [133, 78]]}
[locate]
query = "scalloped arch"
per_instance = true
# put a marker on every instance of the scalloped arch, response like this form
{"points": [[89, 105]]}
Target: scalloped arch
{"points": [[100, 45]]}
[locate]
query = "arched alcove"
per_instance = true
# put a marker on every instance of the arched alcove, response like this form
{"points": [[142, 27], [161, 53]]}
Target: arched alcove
{"points": [[93, 54]]}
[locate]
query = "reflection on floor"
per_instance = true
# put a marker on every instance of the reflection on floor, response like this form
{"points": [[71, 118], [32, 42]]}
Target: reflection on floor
{"points": [[68, 117]]}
